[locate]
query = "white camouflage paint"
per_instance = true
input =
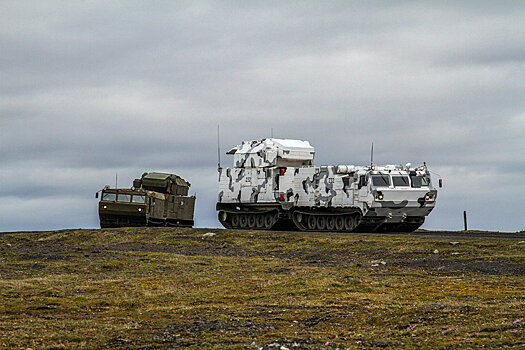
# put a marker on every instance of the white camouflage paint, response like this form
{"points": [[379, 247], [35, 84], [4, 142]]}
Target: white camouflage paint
{"points": [[278, 172]]}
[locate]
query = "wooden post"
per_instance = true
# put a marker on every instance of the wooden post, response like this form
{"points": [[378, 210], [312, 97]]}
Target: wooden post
{"points": [[465, 219]]}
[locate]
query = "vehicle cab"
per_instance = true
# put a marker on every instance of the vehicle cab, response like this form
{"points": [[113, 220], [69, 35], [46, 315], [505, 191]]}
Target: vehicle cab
{"points": [[122, 207], [399, 191]]}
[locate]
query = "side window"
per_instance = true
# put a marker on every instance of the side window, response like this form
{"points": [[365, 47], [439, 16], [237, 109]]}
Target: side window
{"points": [[416, 181], [138, 199], [362, 181]]}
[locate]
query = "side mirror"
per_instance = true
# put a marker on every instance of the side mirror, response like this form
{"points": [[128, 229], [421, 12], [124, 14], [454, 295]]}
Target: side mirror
{"points": [[96, 195], [440, 183]]}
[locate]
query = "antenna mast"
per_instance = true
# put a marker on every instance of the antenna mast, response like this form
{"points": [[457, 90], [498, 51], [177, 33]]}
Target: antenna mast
{"points": [[218, 148], [272, 133], [116, 179]]}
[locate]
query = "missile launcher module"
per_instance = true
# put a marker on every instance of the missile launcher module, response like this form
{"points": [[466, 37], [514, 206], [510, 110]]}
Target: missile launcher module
{"points": [[275, 185]]}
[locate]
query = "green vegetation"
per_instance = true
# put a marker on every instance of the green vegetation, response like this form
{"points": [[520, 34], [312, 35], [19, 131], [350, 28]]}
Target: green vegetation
{"points": [[159, 288]]}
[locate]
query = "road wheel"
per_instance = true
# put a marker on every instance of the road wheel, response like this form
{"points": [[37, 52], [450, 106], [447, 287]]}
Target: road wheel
{"points": [[312, 222], [330, 223], [268, 221], [349, 222], [251, 220], [259, 220], [321, 222], [339, 223], [235, 220], [243, 220]]}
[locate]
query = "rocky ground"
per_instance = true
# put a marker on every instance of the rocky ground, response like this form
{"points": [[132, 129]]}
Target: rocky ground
{"points": [[161, 288]]}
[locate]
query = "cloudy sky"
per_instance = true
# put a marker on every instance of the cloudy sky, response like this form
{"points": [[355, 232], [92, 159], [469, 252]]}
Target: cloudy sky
{"points": [[91, 89]]}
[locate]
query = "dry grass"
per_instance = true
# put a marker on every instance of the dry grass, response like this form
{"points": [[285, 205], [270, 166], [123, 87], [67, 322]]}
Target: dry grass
{"points": [[163, 288]]}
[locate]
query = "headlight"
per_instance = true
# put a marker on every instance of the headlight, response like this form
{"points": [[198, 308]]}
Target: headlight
{"points": [[140, 209], [104, 207]]}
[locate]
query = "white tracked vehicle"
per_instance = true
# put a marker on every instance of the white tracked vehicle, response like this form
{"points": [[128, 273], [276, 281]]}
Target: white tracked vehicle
{"points": [[275, 185]]}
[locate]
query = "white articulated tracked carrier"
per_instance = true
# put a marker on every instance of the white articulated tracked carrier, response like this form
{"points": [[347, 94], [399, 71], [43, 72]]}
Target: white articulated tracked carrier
{"points": [[275, 185]]}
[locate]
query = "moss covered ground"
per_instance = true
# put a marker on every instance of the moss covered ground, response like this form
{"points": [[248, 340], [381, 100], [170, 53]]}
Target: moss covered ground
{"points": [[162, 288]]}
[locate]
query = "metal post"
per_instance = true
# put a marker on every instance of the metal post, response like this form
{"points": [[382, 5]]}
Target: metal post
{"points": [[465, 219]]}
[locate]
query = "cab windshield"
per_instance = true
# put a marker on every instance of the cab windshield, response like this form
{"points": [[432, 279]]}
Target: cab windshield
{"points": [[109, 196], [419, 181], [400, 181], [381, 180], [123, 197]]}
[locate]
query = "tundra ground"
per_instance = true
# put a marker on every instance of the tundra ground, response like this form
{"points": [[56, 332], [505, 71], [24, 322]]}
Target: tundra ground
{"points": [[161, 288]]}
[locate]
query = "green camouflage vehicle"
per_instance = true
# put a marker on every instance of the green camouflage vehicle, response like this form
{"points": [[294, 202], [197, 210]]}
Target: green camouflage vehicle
{"points": [[156, 199]]}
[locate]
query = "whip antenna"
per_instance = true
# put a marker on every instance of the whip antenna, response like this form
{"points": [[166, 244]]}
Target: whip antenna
{"points": [[218, 148], [372, 155]]}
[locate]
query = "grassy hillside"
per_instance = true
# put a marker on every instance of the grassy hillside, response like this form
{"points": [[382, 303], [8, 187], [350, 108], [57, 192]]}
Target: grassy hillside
{"points": [[156, 288]]}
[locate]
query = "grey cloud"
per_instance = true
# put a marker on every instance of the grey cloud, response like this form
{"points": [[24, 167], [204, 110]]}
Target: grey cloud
{"points": [[91, 89]]}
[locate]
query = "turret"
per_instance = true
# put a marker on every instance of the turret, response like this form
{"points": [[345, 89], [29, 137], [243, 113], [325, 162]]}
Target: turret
{"points": [[163, 183], [265, 153]]}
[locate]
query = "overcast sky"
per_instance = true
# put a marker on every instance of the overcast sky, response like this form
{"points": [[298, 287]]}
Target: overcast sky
{"points": [[91, 89]]}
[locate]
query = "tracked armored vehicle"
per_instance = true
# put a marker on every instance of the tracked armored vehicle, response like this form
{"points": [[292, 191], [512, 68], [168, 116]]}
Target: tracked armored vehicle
{"points": [[156, 199], [275, 185]]}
